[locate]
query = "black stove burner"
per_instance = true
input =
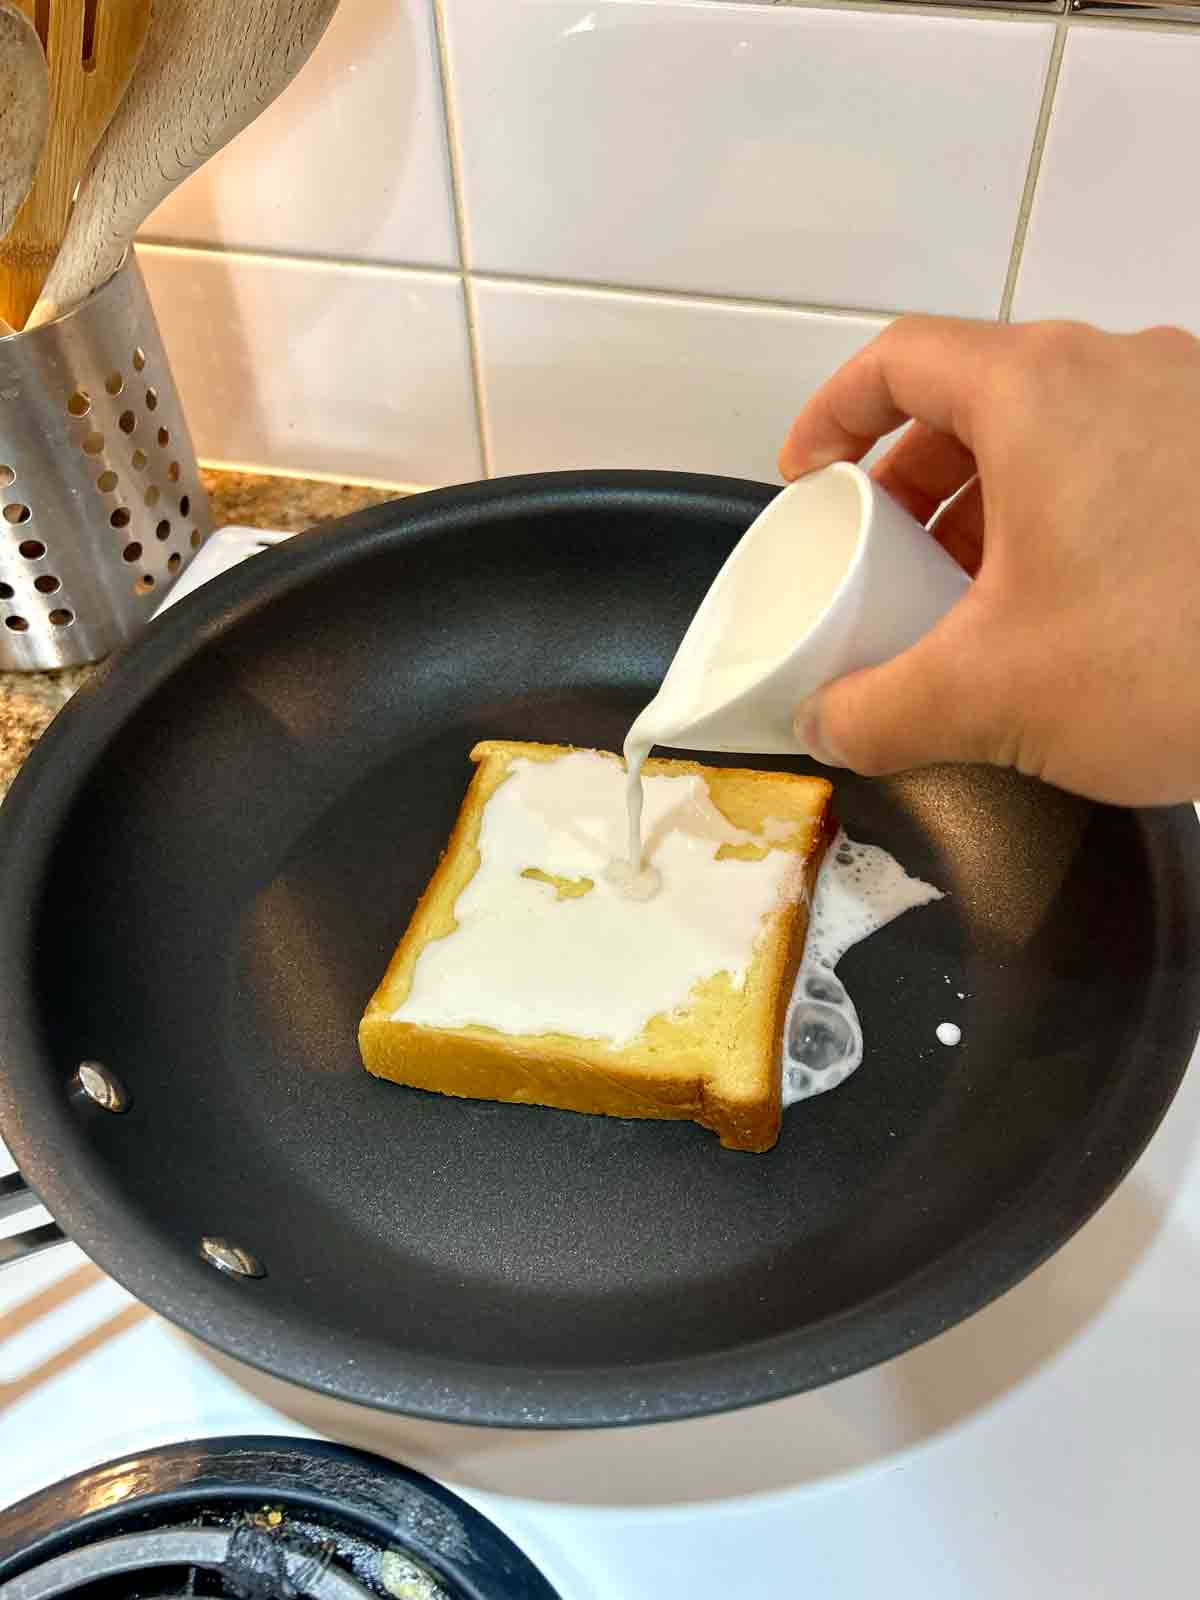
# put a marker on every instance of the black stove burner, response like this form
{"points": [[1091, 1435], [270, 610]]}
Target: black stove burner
{"points": [[257, 1519]]}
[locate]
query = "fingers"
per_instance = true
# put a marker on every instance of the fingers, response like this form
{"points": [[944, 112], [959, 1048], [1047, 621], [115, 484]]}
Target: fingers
{"points": [[931, 369], [923, 468], [959, 528], [939, 701]]}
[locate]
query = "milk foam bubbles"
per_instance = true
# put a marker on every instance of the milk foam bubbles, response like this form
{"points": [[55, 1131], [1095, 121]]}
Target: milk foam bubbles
{"points": [[860, 889]]}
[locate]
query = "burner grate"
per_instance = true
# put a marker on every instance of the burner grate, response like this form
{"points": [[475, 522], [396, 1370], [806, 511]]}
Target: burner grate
{"points": [[257, 1519]]}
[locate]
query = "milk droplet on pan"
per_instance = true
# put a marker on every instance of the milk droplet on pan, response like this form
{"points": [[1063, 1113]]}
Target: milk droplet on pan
{"points": [[949, 1032], [860, 889]]}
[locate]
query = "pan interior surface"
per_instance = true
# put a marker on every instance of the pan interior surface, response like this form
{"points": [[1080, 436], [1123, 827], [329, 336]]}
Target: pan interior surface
{"points": [[241, 851]]}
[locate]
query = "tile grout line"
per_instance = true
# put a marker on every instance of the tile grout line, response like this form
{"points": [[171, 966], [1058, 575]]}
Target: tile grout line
{"points": [[931, 9], [700, 297], [997, 10], [163, 245], [1186, 21], [1040, 132], [691, 296], [458, 199], [476, 359], [1181, 24]]}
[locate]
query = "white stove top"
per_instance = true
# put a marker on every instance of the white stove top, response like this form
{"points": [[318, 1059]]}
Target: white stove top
{"points": [[1047, 1448]]}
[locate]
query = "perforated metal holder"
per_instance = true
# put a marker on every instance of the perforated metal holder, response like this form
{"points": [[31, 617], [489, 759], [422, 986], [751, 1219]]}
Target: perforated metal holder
{"points": [[101, 505]]}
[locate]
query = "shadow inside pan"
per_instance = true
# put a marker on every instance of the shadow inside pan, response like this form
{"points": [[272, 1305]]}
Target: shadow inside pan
{"points": [[242, 856]]}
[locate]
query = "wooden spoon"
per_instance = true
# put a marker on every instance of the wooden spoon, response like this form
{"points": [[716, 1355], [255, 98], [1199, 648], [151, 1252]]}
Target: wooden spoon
{"points": [[24, 109], [208, 70], [92, 47], [24, 113]]}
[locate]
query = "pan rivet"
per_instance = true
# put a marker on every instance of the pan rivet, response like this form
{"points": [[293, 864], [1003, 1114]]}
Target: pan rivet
{"points": [[102, 1086], [231, 1258]]}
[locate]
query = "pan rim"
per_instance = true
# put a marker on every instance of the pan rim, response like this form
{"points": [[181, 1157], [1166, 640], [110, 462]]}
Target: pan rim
{"points": [[958, 1282]]}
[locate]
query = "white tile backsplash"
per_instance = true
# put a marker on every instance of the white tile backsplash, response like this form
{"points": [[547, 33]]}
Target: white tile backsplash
{"points": [[350, 162], [1114, 236], [582, 378], [302, 366], [822, 157], [675, 218]]}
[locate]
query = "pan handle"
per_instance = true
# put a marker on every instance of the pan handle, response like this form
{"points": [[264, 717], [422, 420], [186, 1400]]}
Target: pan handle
{"points": [[16, 1197]]}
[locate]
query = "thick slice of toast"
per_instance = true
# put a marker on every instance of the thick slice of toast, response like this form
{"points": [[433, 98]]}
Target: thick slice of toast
{"points": [[715, 1059]]}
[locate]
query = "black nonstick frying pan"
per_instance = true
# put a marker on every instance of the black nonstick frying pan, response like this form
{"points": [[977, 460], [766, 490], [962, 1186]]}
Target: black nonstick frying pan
{"points": [[210, 857]]}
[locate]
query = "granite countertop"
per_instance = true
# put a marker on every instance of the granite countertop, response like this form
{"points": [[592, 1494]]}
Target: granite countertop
{"points": [[30, 700]]}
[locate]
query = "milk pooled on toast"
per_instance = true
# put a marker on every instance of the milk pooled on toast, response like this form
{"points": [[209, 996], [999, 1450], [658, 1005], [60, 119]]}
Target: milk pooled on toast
{"points": [[542, 944]]}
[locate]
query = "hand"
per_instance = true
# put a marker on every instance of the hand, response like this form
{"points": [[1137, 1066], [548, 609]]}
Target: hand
{"points": [[1075, 655]]}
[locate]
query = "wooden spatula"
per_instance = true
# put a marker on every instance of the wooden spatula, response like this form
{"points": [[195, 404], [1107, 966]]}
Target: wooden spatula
{"points": [[209, 68], [92, 47]]}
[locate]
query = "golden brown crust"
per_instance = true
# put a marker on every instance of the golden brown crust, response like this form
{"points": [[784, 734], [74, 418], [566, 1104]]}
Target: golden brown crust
{"points": [[675, 1069]]}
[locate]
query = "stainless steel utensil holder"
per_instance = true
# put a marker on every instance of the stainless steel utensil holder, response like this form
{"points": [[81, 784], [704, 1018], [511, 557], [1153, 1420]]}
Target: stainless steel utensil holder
{"points": [[101, 504]]}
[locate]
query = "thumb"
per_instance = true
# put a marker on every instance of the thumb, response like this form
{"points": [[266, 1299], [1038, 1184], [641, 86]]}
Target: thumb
{"points": [[935, 702]]}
